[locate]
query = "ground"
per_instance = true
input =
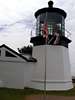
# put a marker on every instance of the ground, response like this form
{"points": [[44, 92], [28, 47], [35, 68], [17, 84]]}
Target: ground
{"points": [[39, 97], [51, 95], [31, 94]]}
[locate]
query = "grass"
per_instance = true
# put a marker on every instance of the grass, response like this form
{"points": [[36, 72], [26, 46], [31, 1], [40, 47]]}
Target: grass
{"points": [[17, 94], [11, 94], [30, 91]]}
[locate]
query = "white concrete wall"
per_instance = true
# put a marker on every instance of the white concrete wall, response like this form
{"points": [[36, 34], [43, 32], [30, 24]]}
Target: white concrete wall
{"points": [[15, 72], [58, 57], [38, 71], [67, 71], [39, 54], [56, 61], [16, 75], [28, 71], [12, 74]]}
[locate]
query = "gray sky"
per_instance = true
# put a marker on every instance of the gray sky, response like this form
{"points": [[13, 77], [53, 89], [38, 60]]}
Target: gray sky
{"points": [[17, 20]]}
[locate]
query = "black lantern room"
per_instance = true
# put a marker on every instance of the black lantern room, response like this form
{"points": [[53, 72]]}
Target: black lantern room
{"points": [[55, 20]]}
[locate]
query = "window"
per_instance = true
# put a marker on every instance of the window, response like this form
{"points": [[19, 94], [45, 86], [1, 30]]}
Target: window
{"points": [[8, 54], [50, 29], [52, 19]]}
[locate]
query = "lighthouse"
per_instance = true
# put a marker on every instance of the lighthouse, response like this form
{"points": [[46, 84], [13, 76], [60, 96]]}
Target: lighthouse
{"points": [[52, 70]]}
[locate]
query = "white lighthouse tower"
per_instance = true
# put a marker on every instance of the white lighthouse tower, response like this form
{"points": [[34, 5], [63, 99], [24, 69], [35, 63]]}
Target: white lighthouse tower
{"points": [[52, 70]]}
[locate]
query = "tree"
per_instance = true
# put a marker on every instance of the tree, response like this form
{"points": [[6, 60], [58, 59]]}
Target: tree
{"points": [[25, 50]]}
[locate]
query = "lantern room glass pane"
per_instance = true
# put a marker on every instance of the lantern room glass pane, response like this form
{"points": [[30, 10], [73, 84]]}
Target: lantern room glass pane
{"points": [[51, 19]]}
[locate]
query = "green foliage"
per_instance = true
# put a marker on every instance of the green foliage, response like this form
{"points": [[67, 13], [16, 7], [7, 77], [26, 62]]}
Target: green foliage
{"points": [[30, 91], [17, 94], [11, 94], [25, 50]]}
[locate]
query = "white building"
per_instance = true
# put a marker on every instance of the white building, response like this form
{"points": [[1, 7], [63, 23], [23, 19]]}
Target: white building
{"points": [[15, 69], [51, 68]]}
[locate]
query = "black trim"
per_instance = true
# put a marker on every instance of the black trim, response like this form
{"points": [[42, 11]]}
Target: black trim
{"points": [[73, 79], [0, 52], [28, 60], [44, 10], [12, 61], [39, 40], [51, 81]]}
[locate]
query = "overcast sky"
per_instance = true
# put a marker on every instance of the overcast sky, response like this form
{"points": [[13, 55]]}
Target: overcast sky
{"points": [[17, 20]]}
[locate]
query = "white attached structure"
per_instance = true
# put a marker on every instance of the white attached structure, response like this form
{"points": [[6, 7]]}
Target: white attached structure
{"points": [[15, 69]]}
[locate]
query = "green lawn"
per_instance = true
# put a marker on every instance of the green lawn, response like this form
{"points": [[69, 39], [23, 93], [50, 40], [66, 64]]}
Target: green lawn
{"points": [[29, 91], [11, 94], [17, 94]]}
